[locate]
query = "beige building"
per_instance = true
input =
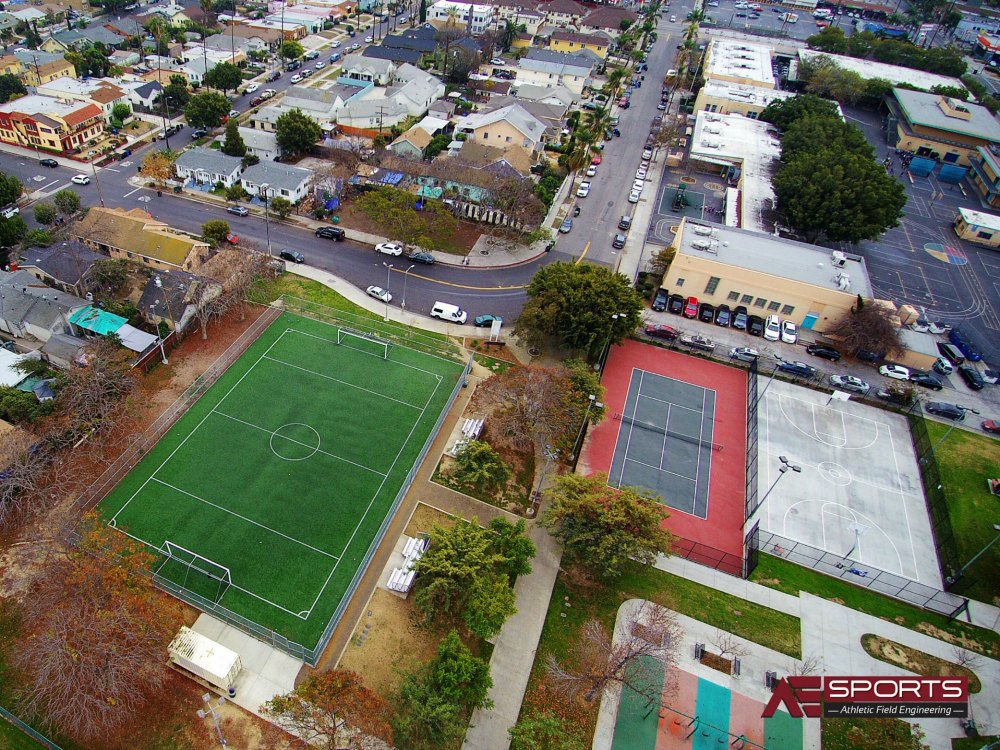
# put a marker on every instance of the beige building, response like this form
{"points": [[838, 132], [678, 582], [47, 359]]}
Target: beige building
{"points": [[36, 68], [134, 235], [768, 275], [978, 227], [504, 128], [940, 127], [736, 99], [739, 62]]}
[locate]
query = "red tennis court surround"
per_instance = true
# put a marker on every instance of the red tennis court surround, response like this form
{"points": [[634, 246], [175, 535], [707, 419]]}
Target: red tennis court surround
{"points": [[705, 540]]}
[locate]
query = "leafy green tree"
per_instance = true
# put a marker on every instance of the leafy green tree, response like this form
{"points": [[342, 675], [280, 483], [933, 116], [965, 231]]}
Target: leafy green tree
{"points": [[121, 112], [831, 39], [831, 81], [110, 274], [21, 406], [224, 76], [459, 676], [37, 238], [45, 213], [430, 227], [176, 92], [67, 202], [575, 304], [11, 87], [291, 50], [214, 232], [10, 189], [297, 132], [206, 110], [782, 113], [803, 135], [602, 528], [233, 144], [281, 206], [438, 144], [513, 546], [425, 720], [12, 231], [544, 731], [477, 465]]}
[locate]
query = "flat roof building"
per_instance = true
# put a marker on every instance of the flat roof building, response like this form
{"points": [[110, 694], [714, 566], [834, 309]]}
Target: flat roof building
{"points": [[979, 227], [895, 74], [739, 62], [736, 99], [939, 127]]}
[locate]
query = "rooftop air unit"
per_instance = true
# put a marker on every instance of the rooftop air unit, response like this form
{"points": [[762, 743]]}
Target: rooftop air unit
{"points": [[838, 259], [703, 231], [844, 282]]}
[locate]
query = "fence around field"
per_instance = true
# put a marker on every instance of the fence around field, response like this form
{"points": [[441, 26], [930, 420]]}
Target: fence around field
{"points": [[121, 466], [710, 557], [41, 739]]}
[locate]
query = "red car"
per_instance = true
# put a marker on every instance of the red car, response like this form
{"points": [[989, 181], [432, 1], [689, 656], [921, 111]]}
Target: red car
{"points": [[691, 308], [596, 160], [662, 332], [232, 239], [991, 425]]}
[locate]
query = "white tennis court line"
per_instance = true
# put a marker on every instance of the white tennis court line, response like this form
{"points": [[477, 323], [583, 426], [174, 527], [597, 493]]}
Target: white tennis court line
{"points": [[297, 442], [369, 354], [376, 494], [663, 445], [672, 403], [342, 382], [662, 471], [628, 441]]}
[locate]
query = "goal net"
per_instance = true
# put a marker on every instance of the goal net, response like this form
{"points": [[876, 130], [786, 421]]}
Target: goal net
{"points": [[193, 572], [366, 342]]}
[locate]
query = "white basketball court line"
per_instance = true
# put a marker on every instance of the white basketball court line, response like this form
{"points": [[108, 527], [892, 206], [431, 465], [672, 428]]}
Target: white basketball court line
{"points": [[859, 494]]}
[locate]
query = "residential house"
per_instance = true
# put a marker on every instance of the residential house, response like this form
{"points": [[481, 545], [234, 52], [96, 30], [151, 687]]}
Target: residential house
{"points": [[142, 93], [48, 123], [472, 17], [361, 68], [410, 93], [522, 41], [175, 15], [521, 13], [208, 166], [289, 30], [504, 128], [266, 118], [555, 95], [543, 67], [320, 104], [415, 88], [939, 126], [563, 13], [64, 266], [101, 92], [985, 174], [73, 39], [27, 14], [312, 20], [291, 183], [411, 144], [41, 67], [572, 41], [513, 162], [421, 39], [136, 236], [170, 297], [91, 322], [489, 89], [608, 19], [33, 311], [8, 22], [125, 58], [260, 143], [258, 38], [65, 351], [552, 116], [395, 55]]}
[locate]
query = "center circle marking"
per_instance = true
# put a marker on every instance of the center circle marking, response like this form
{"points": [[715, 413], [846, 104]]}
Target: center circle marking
{"points": [[295, 441], [835, 474]]}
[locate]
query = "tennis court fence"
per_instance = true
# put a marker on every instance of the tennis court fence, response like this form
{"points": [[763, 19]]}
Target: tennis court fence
{"points": [[709, 556], [37, 736]]}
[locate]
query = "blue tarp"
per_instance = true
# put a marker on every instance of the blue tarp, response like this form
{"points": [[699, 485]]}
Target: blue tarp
{"points": [[333, 204], [952, 173], [921, 166], [389, 178]]}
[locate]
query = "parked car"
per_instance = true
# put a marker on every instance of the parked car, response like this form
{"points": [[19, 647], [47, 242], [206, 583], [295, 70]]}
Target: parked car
{"points": [[823, 352], [618, 242], [50, 163], [943, 366], [991, 425], [946, 410], [379, 293], [697, 342], [895, 396], [293, 255], [638, 185], [566, 226], [723, 316], [801, 369], [662, 332], [849, 383], [691, 308], [706, 312], [895, 372], [584, 190], [297, 78], [252, 87], [675, 304], [256, 101], [634, 196], [422, 256], [198, 133], [80, 179], [972, 377], [275, 76], [591, 170], [238, 210], [484, 321], [331, 233], [389, 248], [755, 325], [772, 328], [597, 159], [926, 380], [744, 353], [660, 300], [789, 332], [739, 318], [311, 55]]}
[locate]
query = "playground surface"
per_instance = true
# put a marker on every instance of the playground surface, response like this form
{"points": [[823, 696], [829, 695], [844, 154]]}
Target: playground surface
{"points": [[676, 426]]}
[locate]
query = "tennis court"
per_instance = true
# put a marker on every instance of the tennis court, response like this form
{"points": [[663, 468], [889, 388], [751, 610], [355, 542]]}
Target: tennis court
{"points": [[266, 497], [665, 441]]}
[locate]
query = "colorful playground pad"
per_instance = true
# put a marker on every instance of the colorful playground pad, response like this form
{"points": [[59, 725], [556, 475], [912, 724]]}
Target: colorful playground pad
{"points": [[700, 714]]}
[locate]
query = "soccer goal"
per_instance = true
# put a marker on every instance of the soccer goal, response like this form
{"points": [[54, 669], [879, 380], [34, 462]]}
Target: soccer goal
{"points": [[366, 342], [193, 572]]}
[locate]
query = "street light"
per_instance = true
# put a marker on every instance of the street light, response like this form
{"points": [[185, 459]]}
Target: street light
{"points": [[550, 454], [267, 215], [388, 270], [605, 350], [592, 402], [166, 303], [406, 274], [785, 466], [951, 579], [207, 698]]}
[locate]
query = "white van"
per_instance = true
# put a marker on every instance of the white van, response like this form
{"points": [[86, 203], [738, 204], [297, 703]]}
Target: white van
{"points": [[772, 328], [450, 313]]}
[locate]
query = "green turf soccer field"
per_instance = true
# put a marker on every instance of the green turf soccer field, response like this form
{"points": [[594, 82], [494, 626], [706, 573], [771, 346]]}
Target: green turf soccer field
{"points": [[284, 471]]}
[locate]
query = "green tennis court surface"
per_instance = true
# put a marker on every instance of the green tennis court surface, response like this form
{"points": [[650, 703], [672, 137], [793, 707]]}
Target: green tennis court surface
{"points": [[272, 488]]}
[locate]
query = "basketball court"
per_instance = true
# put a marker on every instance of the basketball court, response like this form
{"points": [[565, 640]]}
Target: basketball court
{"points": [[676, 427], [858, 495]]}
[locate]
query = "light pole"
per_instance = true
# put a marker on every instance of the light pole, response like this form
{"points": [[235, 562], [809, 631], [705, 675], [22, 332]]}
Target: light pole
{"points": [[166, 303], [591, 403], [388, 270], [951, 579], [605, 350], [207, 698], [406, 274], [267, 213], [785, 466], [550, 454], [930, 452]]}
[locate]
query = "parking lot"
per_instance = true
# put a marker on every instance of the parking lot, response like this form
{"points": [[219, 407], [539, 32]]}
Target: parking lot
{"points": [[770, 21]]}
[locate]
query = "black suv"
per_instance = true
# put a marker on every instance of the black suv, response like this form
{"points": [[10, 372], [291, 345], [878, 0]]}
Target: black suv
{"points": [[675, 304], [755, 325], [48, 163], [925, 379], [625, 222], [941, 409], [331, 233], [972, 377], [660, 300], [723, 316], [823, 352], [706, 312], [293, 255]]}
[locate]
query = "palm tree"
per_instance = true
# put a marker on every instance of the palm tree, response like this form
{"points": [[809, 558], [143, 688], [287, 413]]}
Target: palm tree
{"points": [[576, 159], [615, 78], [598, 121]]}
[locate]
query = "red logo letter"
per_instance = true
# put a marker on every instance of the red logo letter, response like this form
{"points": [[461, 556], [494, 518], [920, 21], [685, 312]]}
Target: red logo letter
{"points": [[800, 695]]}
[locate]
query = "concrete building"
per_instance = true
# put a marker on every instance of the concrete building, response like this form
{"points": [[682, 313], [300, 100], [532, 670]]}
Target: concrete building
{"points": [[978, 227], [135, 236], [869, 69], [472, 17], [739, 62], [939, 127], [768, 275], [986, 174], [48, 123], [736, 99]]}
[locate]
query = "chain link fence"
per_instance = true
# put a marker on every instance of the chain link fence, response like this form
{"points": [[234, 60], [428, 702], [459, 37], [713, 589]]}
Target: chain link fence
{"points": [[41, 739]]}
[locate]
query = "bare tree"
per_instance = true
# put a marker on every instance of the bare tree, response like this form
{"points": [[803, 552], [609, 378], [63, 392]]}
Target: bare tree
{"points": [[26, 459], [869, 325], [210, 302], [649, 632], [237, 270], [965, 658], [809, 665], [93, 395], [729, 645]]}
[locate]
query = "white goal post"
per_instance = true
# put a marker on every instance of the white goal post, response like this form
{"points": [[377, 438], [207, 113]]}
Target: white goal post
{"points": [[214, 577], [381, 345]]}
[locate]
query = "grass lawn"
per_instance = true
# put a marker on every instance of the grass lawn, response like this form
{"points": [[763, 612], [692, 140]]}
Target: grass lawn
{"points": [[790, 578], [972, 743], [12, 738], [966, 460], [573, 603], [864, 734]]}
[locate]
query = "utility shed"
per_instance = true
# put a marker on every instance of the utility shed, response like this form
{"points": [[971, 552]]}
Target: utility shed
{"points": [[205, 658]]}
